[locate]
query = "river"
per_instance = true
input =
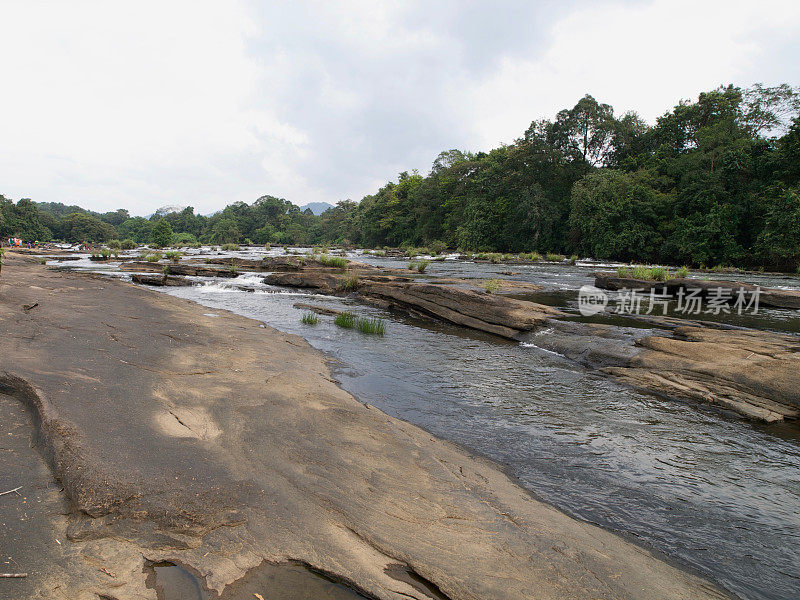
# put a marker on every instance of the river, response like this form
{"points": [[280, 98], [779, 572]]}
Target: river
{"points": [[715, 493]]}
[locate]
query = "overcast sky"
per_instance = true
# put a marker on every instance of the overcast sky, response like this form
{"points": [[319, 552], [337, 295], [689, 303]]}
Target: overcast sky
{"points": [[143, 104]]}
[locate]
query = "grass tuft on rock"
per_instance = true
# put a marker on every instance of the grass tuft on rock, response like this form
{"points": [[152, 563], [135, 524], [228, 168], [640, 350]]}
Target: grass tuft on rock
{"points": [[347, 320], [491, 286], [332, 261], [309, 318], [371, 325]]}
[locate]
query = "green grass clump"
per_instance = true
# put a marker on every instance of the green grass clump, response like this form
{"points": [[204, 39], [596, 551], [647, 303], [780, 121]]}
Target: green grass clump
{"points": [[532, 256], [682, 272], [552, 257], [153, 257], [646, 273], [173, 255], [491, 286], [230, 247], [371, 326], [494, 257], [127, 244], [350, 283], [309, 318], [105, 252], [346, 320], [332, 261], [380, 253], [418, 265]]}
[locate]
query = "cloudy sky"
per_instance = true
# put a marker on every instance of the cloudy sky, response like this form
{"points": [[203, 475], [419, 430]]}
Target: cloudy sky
{"points": [[150, 103]]}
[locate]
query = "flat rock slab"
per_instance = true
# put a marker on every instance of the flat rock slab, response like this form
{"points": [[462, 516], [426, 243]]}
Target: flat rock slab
{"points": [[216, 443], [755, 373]]}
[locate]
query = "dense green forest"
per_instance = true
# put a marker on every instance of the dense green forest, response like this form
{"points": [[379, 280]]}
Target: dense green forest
{"points": [[714, 182]]}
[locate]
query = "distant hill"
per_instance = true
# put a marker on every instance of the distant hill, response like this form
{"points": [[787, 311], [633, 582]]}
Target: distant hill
{"points": [[317, 207]]}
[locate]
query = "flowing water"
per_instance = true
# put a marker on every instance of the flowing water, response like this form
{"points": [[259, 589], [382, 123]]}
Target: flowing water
{"points": [[715, 493]]}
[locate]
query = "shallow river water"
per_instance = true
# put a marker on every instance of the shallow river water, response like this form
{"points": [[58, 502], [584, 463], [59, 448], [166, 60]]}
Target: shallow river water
{"points": [[710, 491]]}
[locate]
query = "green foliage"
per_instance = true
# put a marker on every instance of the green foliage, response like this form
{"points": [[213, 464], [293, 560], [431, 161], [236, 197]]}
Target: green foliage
{"points": [[153, 257], [161, 234], [230, 247], [682, 272], [105, 253], [350, 283], [553, 257], [346, 320], [173, 255], [332, 261], [309, 318], [371, 326], [713, 181], [645, 273], [418, 265], [128, 244], [184, 238], [116, 244], [491, 286]]}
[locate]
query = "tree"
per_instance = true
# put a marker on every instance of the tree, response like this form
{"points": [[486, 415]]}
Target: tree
{"points": [[161, 235], [225, 232], [585, 130], [617, 215], [83, 227], [779, 241]]}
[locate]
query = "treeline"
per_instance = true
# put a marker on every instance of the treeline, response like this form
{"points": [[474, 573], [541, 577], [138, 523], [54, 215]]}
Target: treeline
{"points": [[713, 182]]}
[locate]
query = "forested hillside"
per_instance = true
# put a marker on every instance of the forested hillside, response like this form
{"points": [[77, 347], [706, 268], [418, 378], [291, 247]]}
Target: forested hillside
{"points": [[714, 181]]}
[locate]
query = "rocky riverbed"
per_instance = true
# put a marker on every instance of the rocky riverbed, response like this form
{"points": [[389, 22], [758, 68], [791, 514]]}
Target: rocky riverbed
{"points": [[217, 443]]}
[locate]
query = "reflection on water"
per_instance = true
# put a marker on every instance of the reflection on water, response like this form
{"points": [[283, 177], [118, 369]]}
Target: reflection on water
{"points": [[715, 492]]}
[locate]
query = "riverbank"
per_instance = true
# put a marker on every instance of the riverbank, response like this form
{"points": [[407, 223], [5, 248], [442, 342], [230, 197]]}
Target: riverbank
{"points": [[218, 443]]}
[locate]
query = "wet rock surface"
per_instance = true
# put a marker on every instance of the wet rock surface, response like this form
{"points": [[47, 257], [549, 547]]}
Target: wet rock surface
{"points": [[754, 373], [218, 444]]}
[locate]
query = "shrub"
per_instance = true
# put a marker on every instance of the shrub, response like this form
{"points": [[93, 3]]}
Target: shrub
{"points": [[128, 244], [372, 326], [422, 265], [115, 244], [682, 272], [378, 253], [345, 319], [532, 256], [173, 255], [230, 247], [309, 318], [332, 261], [552, 257], [494, 257], [437, 247], [105, 252], [152, 257], [491, 286], [573, 259], [183, 239]]}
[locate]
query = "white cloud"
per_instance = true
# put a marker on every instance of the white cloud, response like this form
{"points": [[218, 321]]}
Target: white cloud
{"points": [[643, 57], [139, 105]]}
